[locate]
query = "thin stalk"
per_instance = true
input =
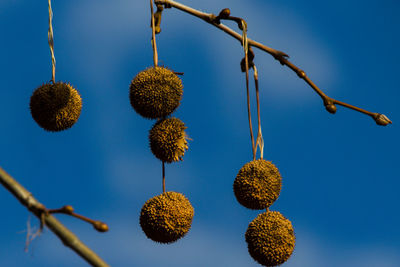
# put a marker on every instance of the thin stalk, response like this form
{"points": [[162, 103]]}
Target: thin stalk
{"points": [[260, 140], [51, 44], [245, 47], [163, 177]]}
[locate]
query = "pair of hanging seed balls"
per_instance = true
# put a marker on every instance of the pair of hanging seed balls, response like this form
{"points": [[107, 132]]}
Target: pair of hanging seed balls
{"points": [[55, 106], [155, 93], [270, 236]]}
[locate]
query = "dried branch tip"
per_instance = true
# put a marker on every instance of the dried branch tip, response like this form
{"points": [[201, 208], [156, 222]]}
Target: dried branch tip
{"points": [[224, 14], [381, 119], [100, 226]]}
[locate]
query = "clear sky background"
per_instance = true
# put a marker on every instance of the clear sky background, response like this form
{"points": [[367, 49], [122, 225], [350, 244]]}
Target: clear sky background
{"points": [[340, 172]]}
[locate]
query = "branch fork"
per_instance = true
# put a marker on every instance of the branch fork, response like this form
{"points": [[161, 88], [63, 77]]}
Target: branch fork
{"points": [[45, 216]]}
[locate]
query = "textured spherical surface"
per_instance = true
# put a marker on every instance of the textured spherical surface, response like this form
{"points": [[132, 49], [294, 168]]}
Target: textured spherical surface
{"points": [[257, 185], [155, 92], [55, 107], [168, 140], [167, 217], [270, 238]]}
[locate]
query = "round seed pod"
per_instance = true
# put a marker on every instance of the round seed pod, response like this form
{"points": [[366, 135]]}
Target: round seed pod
{"points": [[270, 238], [167, 217], [168, 140], [155, 92], [257, 185], [55, 107]]}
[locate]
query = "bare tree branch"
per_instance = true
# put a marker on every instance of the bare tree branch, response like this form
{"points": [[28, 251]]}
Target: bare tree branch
{"points": [[282, 57], [66, 236]]}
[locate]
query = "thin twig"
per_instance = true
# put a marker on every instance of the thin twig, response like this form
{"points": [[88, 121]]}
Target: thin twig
{"points": [[282, 57], [69, 210], [66, 236]]}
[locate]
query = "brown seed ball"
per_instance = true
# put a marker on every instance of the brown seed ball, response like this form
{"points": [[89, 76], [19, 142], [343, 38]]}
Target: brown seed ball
{"points": [[55, 107], [168, 140], [270, 238], [167, 217], [257, 185], [155, 92]]}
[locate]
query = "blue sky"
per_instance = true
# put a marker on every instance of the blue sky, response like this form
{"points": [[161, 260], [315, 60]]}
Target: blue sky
{"points": [[340, 172]]}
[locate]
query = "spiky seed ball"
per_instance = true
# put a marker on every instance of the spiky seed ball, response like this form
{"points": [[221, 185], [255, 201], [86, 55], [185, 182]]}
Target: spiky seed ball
{"points": [[155, 92], [257, 185], [55, 107], [168, 140], [167, 217], [270, 238]]}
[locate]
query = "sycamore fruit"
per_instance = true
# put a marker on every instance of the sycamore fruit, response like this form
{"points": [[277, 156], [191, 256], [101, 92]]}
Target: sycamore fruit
{"points": [[257, 185], [168, 140], [55, 107], [167, 217], [270, 238], [155, 92]]}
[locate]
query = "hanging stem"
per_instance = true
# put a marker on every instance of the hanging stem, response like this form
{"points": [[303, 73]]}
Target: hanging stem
{"points": [[245, 47], [260, 140], [163, 177], [153, 33], [51, 44]]}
